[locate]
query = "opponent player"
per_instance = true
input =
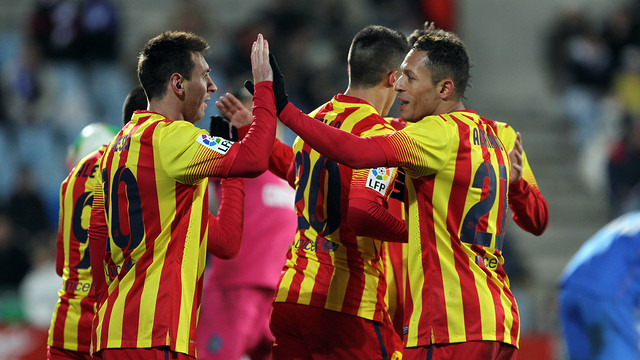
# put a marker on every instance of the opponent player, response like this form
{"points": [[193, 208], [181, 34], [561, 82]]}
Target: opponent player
{"points": [[70, 331], [600, 292], [150, 225], [458, 302]]}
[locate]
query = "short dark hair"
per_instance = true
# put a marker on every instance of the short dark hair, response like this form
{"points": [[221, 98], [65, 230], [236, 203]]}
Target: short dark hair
{"points": [[447, 58], [165, 54], [429, 27], [374, 51], [136, 100]]}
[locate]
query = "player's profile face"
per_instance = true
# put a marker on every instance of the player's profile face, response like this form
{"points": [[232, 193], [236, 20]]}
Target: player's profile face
{"points": [[417, 95], [198, 90]]}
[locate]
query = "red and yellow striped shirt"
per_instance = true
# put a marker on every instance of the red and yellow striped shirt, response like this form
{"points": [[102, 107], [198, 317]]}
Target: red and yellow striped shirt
{"points": [[154, 203], [457, 180], [71, 323], [327, 265]]}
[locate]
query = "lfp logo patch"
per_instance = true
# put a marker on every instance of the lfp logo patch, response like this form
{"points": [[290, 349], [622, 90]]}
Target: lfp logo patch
{"points": [[217, 144], [379, 179]]}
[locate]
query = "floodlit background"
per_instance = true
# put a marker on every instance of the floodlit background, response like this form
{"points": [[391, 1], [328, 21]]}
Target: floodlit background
{"points": [[565, 73]]}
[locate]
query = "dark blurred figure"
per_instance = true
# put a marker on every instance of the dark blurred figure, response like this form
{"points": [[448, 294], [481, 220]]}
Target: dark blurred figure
{"points": [[581, 66], [26, 207], [14, 262], [54, 26], [99, 22], [624, 166]]}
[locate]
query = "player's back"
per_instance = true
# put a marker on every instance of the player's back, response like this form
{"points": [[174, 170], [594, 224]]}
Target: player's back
{"points": [[457, 179], [328, 266], [73, 315]]}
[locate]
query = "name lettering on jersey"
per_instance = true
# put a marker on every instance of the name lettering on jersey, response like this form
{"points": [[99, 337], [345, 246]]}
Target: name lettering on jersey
{"points": [[75, 286], [215, 143], [320, 244], [482, 138], [87, 171], [378, 179], [121, 143], [486, 262], [112, 270]]}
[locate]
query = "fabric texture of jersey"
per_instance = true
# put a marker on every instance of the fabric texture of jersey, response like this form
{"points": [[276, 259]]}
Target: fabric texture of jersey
{"points": [[71, 323], [530, 210], [327, 265], [154, 182], [457, 177]]}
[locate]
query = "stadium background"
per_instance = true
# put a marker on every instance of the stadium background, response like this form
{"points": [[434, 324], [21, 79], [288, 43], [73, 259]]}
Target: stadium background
{"points": [[45, 101]]}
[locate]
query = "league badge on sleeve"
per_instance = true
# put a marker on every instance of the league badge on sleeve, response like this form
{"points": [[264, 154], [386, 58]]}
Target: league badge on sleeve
{"points": [[215, 143], [379, 178]]}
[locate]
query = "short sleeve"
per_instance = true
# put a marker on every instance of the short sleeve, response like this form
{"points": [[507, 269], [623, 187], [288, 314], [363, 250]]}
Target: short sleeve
{"points": [[189, 154]]}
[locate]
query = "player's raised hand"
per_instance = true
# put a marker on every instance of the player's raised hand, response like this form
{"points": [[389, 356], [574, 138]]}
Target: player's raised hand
{"points": [[278, 85], [260, 66], [515, 156], [237, 113]]}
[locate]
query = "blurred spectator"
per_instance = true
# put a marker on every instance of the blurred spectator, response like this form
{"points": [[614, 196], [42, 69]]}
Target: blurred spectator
{"points": [[54, 27], [14, 263], [582, 67], [624, 166], [99, 30], [39, 289], [626, 84], [27, 83], [26, 206]]}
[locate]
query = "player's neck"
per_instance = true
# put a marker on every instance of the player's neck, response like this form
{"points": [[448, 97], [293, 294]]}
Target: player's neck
{"points": [[376, 96]]}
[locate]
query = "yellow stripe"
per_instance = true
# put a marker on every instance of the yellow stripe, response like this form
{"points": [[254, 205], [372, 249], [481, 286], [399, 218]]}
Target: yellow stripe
{"points": [[414, 262], [192, 255]]}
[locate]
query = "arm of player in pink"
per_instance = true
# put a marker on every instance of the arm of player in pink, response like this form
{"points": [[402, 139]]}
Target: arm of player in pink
{"points": [[338, 145], [530, 209], [252, 158], [98, 234], [225, 231]]}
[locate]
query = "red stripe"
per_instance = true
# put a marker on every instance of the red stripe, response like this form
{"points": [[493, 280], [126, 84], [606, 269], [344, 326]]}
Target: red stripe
{"points": [[87, 311], [58, 328], [433, 312]]}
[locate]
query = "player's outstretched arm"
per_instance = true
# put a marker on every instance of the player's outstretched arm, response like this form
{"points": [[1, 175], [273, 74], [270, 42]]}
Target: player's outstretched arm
{"points": [[253, 155], [239, 115]]}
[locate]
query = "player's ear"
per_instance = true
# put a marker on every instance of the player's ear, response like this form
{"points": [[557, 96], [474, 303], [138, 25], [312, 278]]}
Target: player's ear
{"points": [[391, 77], [446, 88], [176, 83]]}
